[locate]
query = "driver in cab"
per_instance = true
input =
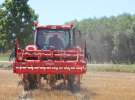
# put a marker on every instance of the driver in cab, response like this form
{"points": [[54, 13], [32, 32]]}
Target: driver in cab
{"points": [[56, 42]]}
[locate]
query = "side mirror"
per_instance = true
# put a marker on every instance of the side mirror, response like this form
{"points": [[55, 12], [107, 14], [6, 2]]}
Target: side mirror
{"points": [[78, 32], [87, 54]]}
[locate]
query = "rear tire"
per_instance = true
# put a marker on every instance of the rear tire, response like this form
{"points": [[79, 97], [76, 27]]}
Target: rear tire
{"points": [[74, 83], [52, 81], [30, 82], [71, 80]]}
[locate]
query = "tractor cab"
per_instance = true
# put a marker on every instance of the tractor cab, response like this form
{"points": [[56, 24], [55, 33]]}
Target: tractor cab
{"points": [[58, 39]]}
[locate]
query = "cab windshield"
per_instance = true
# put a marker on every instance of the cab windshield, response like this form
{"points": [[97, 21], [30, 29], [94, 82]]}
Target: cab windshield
{"points": [[57, 39]]}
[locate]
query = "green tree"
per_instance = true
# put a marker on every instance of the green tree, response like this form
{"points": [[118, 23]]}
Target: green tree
{"points": [[3, 34], [18, 19], [110, 38]]}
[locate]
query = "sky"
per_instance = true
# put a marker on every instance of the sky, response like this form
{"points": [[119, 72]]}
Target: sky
{"points": [[61, 11]]}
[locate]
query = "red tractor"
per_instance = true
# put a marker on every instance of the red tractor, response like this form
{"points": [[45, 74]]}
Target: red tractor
{"points": [[58, 53]]}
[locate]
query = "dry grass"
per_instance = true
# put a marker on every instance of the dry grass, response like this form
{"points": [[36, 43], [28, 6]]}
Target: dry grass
{"points": [[53, 95], [110, 85], [9, 89], [95, 86]]}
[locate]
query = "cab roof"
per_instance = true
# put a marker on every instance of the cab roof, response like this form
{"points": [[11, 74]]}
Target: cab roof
{"points": [[55, 27]]}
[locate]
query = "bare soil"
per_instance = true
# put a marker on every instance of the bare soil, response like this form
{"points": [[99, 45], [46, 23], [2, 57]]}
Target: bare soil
{"points": [[94, 86]]}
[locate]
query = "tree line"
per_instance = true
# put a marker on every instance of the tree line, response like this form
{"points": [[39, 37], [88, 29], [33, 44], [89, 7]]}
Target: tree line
{"points": [[110, 39]]}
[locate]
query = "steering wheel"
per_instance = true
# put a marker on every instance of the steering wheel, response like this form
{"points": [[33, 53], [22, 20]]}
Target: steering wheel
{"points": [[47, 47]]}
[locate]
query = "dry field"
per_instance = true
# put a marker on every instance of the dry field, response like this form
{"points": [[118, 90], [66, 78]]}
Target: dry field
{"points": [[95, 86]]}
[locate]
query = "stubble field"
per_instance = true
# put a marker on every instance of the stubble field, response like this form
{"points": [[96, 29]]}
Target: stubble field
{"points": [[94, 86]]}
